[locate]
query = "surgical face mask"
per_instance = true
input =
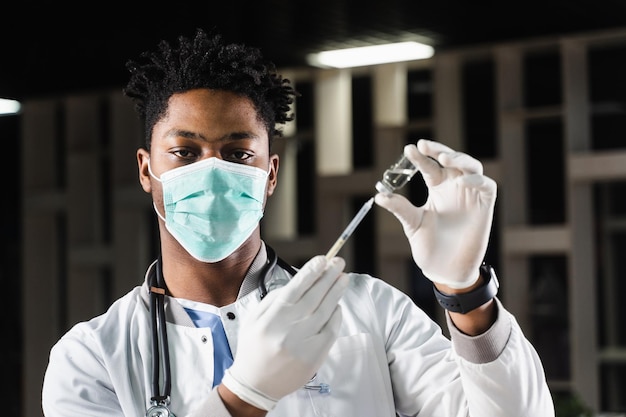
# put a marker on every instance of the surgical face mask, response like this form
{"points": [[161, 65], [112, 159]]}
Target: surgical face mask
{"points": [[212, 206]]}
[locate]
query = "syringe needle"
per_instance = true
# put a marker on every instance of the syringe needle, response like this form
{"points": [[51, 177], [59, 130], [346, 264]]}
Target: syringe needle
{"points": [[350, 228]]}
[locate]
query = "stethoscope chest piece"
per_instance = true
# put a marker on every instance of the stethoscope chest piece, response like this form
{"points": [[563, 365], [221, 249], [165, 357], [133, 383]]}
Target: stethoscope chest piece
{"points": [[159, 411]]}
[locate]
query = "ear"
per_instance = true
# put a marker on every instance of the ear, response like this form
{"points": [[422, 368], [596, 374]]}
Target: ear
{"points": [[143, 159], [272, 178]]}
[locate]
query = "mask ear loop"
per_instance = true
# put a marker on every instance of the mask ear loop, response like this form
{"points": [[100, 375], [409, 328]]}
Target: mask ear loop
{"points": [[152, 173], [156, 210]]}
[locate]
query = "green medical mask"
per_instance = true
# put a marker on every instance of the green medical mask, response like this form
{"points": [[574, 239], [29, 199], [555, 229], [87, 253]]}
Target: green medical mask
{"points": [[212, 206]]}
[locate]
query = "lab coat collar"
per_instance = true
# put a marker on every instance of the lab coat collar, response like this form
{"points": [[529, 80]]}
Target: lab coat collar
{"points": [[175, 313]]}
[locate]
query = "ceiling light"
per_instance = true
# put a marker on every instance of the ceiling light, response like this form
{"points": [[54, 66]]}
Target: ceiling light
{"points": [[371, 55], [8, 107]]}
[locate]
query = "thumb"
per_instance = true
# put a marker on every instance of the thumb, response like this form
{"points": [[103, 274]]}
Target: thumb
{"points": [[409, 215]]}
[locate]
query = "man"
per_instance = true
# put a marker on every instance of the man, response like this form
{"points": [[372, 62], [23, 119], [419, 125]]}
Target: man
{"points": [[237, 332]]}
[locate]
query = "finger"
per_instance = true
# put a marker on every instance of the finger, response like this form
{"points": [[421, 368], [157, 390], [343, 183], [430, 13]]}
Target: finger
{"points": [[449, 158], [312, 313], [409, 215], [329, 302], [309, 277], [325, 288], [486, 186], [430, 168], [302, 281], [461, 161], [432, 148], [327, 334]]}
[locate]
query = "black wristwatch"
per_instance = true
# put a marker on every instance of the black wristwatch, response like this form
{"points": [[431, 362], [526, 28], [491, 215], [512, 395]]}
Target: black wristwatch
{"points": [[466, 302]]}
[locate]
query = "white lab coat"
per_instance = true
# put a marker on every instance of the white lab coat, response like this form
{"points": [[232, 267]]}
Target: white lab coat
{"points": [[389, 357]]}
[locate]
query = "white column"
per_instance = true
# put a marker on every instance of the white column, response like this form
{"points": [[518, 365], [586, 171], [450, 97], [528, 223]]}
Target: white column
{"points": [[280, 218], [582, 265], [390, 91], [390, 117], [280, 221], [333, 122], [447, 94], [514, 268]]}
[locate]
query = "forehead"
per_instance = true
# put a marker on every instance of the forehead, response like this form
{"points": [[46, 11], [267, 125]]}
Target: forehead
{"points": [[212, 112]]}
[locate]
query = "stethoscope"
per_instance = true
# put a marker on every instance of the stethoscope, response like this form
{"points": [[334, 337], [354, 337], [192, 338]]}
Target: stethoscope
{"points": [[160, 401]]}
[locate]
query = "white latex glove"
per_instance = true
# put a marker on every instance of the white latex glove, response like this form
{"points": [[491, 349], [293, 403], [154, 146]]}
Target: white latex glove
{"points": [[450, 232], [286, 338]]}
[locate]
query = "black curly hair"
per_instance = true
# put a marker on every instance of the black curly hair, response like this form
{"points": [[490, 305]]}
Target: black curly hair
{"points": [[207, 62]]}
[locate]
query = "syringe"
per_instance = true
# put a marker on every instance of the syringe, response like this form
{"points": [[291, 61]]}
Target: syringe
{"points": [[350, 228]]}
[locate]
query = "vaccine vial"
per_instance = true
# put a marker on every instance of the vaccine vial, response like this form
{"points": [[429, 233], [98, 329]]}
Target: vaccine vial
{"points": [[396, 176]]}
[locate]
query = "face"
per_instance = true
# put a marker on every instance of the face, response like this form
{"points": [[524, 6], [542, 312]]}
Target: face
{"points": [[201, 124]]}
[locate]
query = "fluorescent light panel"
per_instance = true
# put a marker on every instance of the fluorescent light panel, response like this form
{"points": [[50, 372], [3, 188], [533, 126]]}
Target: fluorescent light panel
{"points": [[371, 55], [8, 107]]}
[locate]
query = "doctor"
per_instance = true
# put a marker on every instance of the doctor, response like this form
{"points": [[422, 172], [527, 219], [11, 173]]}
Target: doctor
{"points": [[221, 327]]}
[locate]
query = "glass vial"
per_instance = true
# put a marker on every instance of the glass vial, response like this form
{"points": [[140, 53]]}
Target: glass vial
{"points": [[396, 176]]}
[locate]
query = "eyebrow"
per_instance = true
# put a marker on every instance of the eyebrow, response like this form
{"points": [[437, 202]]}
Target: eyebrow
{"points": [[233, 136]]}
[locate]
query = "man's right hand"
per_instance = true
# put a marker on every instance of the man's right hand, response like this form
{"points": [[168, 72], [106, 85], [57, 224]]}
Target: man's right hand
{"points": [[286, 338]]}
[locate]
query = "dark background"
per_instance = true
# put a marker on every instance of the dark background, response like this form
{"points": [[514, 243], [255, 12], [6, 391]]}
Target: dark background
{"points": [[51, 47]]}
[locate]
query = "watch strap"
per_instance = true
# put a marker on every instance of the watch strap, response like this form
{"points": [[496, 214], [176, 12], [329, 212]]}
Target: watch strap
{"points": [[468, 301]]}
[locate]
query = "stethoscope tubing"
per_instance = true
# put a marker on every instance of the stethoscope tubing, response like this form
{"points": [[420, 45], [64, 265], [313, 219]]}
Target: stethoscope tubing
{"points": [[159, 338]]}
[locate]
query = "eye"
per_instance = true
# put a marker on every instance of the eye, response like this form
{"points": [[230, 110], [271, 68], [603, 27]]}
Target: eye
{"points": [[239, 155], [184, 153]]}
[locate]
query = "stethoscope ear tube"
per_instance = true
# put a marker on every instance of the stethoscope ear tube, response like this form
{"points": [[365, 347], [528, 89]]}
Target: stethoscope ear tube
{"points": [[272, 260]]}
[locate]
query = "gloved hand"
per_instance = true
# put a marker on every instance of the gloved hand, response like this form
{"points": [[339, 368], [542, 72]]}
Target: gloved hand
{"points": [[286, 338], [450, 232]]}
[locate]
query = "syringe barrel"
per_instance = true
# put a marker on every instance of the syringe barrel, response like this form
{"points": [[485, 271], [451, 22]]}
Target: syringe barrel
{"points": [[350, 228]]}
